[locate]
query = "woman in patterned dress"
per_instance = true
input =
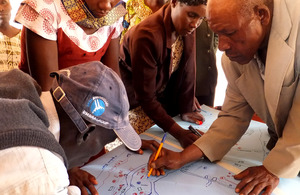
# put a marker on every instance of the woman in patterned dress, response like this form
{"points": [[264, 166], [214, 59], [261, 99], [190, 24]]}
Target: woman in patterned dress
{"points": [[9, 39], [138, 10], [62, 33]]}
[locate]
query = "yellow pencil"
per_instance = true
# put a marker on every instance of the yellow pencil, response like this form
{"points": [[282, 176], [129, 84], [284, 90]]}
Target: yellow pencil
{"points": [[158, 152]]}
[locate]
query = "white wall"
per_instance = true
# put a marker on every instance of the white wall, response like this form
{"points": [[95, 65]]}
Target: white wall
{"points": [[222, 82], [15, 5]]}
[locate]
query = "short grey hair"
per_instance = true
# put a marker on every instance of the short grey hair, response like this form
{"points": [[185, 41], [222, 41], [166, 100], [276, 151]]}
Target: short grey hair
{"points": [[247, 6], [193, 2]]}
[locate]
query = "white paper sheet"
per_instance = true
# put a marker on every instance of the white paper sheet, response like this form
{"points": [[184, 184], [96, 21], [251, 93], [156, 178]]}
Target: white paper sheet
{"points": [[123, 172]]}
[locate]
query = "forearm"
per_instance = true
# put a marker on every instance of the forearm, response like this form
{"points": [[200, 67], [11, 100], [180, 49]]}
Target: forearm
{"points": [[158, 114], [111, 56], [190, 154], [42, 58], [174, 130]]}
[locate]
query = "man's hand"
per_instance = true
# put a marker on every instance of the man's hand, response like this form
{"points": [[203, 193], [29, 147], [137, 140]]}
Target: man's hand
{"points": [[173, 160], [193, 117], [256, 179], [83, 180], [166, 160]]}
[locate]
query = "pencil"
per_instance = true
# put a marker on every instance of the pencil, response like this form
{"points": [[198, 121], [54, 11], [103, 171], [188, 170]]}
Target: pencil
{"points": [[194, 131], [158, 152]]}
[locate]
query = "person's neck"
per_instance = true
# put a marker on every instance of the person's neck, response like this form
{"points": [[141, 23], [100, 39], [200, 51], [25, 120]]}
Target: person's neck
{"points": [[174, 36], [9, 30]]}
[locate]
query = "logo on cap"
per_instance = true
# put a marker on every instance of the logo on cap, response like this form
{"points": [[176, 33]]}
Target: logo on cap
{"points": [[97, 106]]}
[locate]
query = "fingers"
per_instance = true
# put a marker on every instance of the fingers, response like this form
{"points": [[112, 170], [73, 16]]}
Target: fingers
{"points": [[242, 174], [268, 190], [158, 172], [254, 180], [193, 117], [83, 190], [245, 186], [150, 145], [157, 168], [91, 188], [197, 105], [199, 116], [90, 184], [92, 179]]}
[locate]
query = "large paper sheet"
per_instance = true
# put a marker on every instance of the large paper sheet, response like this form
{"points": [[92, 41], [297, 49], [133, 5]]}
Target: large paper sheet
{"points": [[124, 172]]}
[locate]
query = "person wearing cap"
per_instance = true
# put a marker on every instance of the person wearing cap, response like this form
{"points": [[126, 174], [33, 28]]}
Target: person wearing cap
{"points": [[61, 33], [86, 108], [157, 65]]}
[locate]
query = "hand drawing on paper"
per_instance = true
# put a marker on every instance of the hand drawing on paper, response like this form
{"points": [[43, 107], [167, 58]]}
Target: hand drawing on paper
{"points": [[126, 173]]}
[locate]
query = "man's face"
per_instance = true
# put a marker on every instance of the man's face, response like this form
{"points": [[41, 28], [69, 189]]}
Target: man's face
{"points": [[239, 37], [5, 9], [100, 8], [186, 18]]}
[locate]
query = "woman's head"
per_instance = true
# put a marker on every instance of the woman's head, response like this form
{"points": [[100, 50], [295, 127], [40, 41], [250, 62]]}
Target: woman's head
{"points": [[100, 8], [187, 15]]}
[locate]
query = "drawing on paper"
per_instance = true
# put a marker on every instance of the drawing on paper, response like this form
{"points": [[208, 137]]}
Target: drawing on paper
{"points": [[126, 173]]}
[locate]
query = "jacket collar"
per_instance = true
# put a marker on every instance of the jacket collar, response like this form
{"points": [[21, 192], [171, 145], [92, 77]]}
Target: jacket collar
{"points": [[279, 56]]}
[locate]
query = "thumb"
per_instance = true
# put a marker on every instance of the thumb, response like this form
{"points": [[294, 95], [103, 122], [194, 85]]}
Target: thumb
{"points": [[158, 164], [153, 165]]}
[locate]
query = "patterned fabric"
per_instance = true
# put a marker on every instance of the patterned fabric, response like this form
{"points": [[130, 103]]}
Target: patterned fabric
{"points": [[261, 66], [137, 11], [177, 48], [139, 120], [10, 52], [80, 14], [46, 17]]}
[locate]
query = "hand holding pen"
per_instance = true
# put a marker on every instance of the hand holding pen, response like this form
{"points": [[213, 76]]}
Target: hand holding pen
{"points": [[158, 152]]}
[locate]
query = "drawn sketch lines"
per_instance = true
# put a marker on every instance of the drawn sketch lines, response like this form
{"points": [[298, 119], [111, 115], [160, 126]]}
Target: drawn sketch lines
{"points": [[126, 173]]}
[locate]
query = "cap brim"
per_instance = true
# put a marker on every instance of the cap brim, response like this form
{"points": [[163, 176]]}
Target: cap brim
{"points": [[129, 137]]}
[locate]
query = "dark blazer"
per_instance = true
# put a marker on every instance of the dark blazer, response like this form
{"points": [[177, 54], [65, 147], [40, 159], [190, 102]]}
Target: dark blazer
{"points": [[145, 67], [206, 68]]}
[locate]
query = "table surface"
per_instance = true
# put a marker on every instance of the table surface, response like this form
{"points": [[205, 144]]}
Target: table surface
{"points": [[123, 172]]}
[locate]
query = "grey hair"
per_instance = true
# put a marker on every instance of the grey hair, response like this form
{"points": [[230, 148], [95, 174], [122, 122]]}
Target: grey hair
{"points": [[247, 6], [193, 2]]}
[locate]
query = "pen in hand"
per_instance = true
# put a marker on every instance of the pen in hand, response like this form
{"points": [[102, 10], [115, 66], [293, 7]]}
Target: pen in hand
{"points": [[158, 152], [194, 131]]}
